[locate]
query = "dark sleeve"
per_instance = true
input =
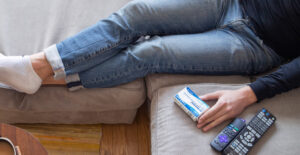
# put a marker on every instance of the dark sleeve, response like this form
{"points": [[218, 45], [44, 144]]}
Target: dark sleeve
{"points": [[287, 77]]}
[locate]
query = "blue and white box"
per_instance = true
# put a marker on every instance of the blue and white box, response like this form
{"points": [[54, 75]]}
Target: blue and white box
{"points": [[187, 100]]}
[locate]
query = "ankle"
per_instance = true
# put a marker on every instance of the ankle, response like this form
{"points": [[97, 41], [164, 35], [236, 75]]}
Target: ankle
{"points": [[41, 66], [51, 81]]}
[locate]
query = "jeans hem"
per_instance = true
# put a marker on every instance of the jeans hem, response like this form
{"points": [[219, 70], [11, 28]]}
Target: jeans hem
{"points": [[75, 88], [73, 82], [55, 62]]}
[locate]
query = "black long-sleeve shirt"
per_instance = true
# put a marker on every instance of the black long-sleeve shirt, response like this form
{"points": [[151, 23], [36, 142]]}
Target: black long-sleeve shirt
{"points": [[278, 25]]}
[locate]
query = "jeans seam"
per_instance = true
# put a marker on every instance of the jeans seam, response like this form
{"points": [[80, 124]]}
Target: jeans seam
{"points": [[152, 69], [102, 50], [95, 53], [116, 76]]}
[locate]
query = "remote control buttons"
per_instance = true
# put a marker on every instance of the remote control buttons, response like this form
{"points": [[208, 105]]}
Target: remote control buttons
{"points": [[246, 143], [236, 147], [247, 138], [227, 134], [269, 122], [223, 138], [245, 150], [257, 135], [251, 133], [249, 128], [241, 137]]}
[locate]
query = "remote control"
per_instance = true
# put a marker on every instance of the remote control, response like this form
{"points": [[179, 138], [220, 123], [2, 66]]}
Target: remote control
{"points": [[227, 134], [246, 139]]}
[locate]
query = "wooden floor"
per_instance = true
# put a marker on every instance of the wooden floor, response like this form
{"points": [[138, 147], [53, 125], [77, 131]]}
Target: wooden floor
{"points": [[101, 139]]}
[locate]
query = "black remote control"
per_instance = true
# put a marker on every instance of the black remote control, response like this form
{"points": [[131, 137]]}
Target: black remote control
{"points": [[227, 134], [246, 139]]}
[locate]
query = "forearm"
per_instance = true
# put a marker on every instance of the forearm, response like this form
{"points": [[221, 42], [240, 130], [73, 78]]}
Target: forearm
{"points": [[282, 80]]}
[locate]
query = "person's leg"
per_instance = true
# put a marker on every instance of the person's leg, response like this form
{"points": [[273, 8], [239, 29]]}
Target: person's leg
{"points": [[16, 72], [105, 39], [217, 52]]}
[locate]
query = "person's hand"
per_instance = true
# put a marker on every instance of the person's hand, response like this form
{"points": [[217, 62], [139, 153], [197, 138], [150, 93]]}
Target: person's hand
{"points": [[230, 104]]}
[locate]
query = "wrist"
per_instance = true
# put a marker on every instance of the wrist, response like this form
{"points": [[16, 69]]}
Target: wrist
{"points": [[249, 95]]}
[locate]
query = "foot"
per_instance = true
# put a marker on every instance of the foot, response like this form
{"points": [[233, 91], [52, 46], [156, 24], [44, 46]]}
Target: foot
{"points": [[17, 73], [1, 84], [5, 86]]}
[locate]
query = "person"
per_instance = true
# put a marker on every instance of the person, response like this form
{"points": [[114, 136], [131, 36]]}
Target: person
{"points": [[211, 37]]}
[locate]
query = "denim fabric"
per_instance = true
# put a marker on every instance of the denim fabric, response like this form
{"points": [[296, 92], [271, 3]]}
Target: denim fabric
{"points": [[211, 37], [55, 61]]}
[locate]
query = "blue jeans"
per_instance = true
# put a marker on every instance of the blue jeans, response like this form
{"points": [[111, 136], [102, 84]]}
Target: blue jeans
{"points": [[212, 37]]}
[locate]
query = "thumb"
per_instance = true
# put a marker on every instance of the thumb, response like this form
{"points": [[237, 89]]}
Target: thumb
{"points": [[211, 96]]}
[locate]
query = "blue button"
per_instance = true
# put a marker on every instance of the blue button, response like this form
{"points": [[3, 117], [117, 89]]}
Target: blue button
{"points": [[267, 114], [223, 138], [264, 110]]}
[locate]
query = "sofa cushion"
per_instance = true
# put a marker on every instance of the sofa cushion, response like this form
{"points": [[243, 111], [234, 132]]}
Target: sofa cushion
{"points": [[86, 106], [28, 27], [173, 132], [156, 81]]}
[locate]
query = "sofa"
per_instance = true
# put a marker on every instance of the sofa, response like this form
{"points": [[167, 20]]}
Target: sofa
{"points": [[29, 26]]}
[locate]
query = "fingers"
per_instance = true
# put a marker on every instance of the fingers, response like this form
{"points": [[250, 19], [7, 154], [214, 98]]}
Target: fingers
{"points": [[229, 105], [210, 112], [216, 122], [207, 119], [211, 96], [217, 115]]}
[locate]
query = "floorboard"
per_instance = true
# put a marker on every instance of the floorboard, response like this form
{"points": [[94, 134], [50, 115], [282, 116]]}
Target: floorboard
{"points": [[131, 139], [67, 139], [104, 139]]}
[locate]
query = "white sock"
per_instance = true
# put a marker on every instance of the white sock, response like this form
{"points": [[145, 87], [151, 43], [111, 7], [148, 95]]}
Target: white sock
{"points": [[17, 73], [2, 85]]}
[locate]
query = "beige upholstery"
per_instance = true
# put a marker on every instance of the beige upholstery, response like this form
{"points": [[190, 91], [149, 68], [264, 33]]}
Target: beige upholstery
{"points": [[58, 105], [156, 81], [173, 132]]}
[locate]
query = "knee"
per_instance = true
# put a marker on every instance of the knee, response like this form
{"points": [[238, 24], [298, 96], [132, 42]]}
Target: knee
{"points": [[137, 6], [136, 11], [129, 19], [149, 51]]}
